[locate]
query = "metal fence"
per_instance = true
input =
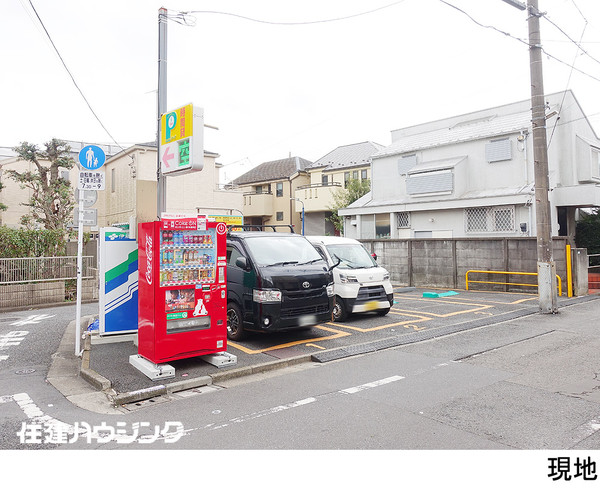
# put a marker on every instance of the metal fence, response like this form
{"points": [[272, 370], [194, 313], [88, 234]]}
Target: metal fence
{"points": [[41, 269]]}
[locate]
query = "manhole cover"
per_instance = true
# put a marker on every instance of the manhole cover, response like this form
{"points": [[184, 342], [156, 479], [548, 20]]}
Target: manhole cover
{"points": [[25, 371]]}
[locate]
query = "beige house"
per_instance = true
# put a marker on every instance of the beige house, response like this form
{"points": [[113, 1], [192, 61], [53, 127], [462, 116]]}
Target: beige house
{"points": [[328, 174], [129, 196], [269, 191]]}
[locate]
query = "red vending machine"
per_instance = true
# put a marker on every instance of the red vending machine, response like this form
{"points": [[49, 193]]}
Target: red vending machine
{"points": [[182, 288]]}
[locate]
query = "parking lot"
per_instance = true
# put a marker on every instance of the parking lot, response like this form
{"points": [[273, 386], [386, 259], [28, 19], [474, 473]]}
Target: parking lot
{"points": [[416, 315], [414, 310]]}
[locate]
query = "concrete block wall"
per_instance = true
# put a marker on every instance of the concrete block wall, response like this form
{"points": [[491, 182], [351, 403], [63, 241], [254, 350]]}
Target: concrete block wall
{"points": [[443, 263], [31, 294], [43, 293]]}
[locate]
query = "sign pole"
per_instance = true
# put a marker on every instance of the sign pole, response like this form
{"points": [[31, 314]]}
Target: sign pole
{"points": [[161, 94], [79, 274], [91, 158]]}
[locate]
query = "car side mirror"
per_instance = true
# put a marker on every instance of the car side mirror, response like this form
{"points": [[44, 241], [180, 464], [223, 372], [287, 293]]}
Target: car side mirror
{"points": [[374, 255], [241, 262]]}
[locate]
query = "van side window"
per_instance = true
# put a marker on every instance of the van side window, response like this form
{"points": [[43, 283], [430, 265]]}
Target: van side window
{"points": [[232, 255]]}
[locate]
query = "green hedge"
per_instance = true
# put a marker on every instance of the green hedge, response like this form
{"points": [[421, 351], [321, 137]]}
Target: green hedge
{"points": [[31, 243]]}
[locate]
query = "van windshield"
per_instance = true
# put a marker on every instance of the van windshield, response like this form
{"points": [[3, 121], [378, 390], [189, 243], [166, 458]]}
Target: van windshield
{"points": [[351, 255], [284, 250]]}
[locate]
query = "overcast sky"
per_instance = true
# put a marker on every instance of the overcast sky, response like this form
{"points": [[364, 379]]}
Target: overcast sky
{"points": [[275, 90]]}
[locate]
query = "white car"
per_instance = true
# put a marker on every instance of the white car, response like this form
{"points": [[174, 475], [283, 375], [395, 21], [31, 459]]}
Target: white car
{"points": [[360, 285]]}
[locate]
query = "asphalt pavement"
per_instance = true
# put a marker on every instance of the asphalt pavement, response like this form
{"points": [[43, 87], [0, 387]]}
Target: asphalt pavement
{"points": [[103, 377]]}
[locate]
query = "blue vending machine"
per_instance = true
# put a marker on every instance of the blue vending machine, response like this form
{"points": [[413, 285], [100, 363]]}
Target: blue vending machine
{"points": [[118, 258]]}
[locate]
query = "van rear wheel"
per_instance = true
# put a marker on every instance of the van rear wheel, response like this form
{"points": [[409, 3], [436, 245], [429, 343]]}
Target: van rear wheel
{"points": [[340, 312], [235, 330]]}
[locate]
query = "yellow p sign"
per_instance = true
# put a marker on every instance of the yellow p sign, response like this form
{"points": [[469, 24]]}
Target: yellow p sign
{"points": [[177, 124]]}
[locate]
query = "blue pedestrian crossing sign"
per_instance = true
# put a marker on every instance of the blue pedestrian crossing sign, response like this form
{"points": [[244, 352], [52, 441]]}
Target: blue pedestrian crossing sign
{"points": [[92, 157]]}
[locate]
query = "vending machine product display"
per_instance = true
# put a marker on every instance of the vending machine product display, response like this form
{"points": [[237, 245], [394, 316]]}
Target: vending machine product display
{"points": [[182, 288]]}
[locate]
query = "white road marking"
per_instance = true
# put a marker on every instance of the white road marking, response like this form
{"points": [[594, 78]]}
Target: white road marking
{"points": [[296, 404], [32, 319], [11, 339], [374, 384]]}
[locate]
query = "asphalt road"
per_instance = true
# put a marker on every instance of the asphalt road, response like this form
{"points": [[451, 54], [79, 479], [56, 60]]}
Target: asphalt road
{"points": [[527, 383]]}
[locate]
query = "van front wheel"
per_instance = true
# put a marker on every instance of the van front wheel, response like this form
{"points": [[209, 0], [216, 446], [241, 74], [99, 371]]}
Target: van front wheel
{"points": [[340, 312], [235, 330]]}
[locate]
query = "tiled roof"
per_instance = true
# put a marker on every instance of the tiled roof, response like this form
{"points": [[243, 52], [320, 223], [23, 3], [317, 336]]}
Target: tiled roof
{"points": [[354, 155], [275, 170], [468, 130]]}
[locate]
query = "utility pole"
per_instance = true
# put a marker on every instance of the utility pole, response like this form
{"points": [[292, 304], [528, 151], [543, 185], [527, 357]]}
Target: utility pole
{"points": [[546, 268], [545, 265], [161, 95]]}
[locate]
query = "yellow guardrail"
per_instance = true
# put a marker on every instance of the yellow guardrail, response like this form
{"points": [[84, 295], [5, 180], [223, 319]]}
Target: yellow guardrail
{"points": [[559, 282]]}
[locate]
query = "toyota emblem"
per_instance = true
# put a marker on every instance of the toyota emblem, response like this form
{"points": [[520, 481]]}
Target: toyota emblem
{"points": [[306, 284]]}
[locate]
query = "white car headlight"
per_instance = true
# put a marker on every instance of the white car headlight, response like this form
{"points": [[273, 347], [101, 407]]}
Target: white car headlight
{"points": [[344, 278], [386, 276], [266, 295], [330, 290]]}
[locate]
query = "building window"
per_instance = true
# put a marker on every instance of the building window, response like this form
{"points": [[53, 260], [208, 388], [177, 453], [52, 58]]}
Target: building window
{"points": [[490, 219], [441, 181], [405, 163], [279, 189], [403, 219], [113, 180], [382, 225], [259, 189], [279, 216], [355, 174], [595, 163], [363, 174], [346, 179], [498, 150], [324, 179]]}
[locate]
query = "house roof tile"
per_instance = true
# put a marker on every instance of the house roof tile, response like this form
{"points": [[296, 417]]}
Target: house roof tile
{"points": [[347, 156], [274, 170]]}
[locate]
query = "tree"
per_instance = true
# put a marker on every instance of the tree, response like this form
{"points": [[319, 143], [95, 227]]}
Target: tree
{"points": [[52, 200], [342, 198], [587, 232], [3, 207]]}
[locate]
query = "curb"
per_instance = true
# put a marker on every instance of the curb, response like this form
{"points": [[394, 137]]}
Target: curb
{"points": [[188, 384], [92, 377]]}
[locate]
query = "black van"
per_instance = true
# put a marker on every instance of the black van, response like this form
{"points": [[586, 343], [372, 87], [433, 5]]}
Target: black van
{"points": [[275, 282]]}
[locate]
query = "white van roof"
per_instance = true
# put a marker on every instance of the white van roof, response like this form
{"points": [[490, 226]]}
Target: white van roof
{"points": [[331, 240]]}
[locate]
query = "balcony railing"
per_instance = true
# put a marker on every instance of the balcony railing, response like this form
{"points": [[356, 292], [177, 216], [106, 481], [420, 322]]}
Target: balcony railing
{"points": [[316, 197], [258, 204]]}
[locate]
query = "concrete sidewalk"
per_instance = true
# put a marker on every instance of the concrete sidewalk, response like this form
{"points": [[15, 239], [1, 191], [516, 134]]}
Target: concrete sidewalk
{"points": [[102, 379]]}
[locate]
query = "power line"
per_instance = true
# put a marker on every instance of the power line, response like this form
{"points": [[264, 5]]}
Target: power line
{"points": [[180, 16], [578, 44], [518, 39], [72, 78], [565, 92]]}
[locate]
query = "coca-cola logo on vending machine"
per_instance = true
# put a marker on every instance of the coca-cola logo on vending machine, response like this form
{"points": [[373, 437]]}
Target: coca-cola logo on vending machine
{"points": [[149, 259]]}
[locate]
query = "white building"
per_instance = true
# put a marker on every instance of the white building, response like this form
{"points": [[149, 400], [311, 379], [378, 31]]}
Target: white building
{"points": [[473, 175]]}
